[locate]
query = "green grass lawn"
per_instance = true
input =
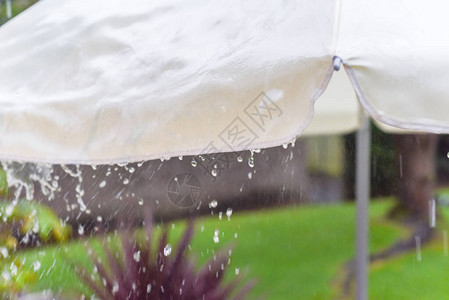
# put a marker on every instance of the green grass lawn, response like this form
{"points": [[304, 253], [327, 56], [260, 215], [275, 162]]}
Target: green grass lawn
{"points": [[404, 277], [295, 253]]}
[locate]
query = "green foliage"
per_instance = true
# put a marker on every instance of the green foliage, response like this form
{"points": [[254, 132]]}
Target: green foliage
{"points": [[14, 276], [36, 219]]}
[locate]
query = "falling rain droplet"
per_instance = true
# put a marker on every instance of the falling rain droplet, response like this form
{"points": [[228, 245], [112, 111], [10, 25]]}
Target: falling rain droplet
{"points": [[125, 181], [36, 265], [418, 247], [214, 172], [220, 215], [115, 288], [80, 229], [194, 163], [213, 204], [167, 250], [136, 256], [293, 142], [445, 242], [4, 252], [216, 238], [251, 161], [102, 184], [149, 288], [250, 175], [237, 271], [447, 155], [140, 201], [432, 213], [229, 213], [99, 219]]}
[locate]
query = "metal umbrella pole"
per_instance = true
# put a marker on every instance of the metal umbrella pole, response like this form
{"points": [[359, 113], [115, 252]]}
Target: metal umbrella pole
{"points": [[363, 153], [8, 9]]}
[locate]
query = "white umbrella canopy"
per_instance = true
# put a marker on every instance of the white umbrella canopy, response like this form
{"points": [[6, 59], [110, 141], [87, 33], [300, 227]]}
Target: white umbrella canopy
{"points": [[109, 81]]}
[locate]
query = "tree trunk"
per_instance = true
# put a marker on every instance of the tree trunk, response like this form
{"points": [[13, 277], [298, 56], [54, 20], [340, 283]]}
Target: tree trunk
{"points": [[416, 154]]}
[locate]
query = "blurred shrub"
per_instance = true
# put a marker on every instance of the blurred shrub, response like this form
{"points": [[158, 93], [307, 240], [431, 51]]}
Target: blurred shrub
{"points": [[136, 273]]}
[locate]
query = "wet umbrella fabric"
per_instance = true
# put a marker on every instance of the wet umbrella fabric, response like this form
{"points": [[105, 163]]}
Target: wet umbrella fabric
{"points": [[101, 81]]}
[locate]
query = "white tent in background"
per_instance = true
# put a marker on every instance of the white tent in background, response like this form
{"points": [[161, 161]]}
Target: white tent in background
{"points": [[102, 82]]}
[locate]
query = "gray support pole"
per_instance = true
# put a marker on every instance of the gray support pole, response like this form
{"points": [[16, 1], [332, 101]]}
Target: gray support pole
{"points": [[362, 191], [8, 9]]}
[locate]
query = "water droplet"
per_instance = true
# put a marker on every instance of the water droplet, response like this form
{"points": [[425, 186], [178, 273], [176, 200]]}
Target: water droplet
{"points": [[99, 219], [194, 163], [239, 159], [35, 226], [167, 250], [125, 181], [131, 170], [251, 161], [115, 288], [214, 172], [136, 256], [229, 213], [293, 142], [102, 184], [213, 204], [216, 238], [250, 175], [432, 213], [36, 265], [237, 271], [148, 288], [285, 146], [180, 157], [202, 228], [140, 201], [14, 269], [6, 276], [9, 210], [80, 229], [4, 252], [418, 248], [220, 215]]}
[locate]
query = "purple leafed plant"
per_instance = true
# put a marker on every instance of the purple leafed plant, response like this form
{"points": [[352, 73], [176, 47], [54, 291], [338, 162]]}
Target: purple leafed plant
{"points": [[137, 273]]}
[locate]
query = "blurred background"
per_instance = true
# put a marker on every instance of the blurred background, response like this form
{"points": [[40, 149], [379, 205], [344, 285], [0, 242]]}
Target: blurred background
{"points": [[288, 213]]}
